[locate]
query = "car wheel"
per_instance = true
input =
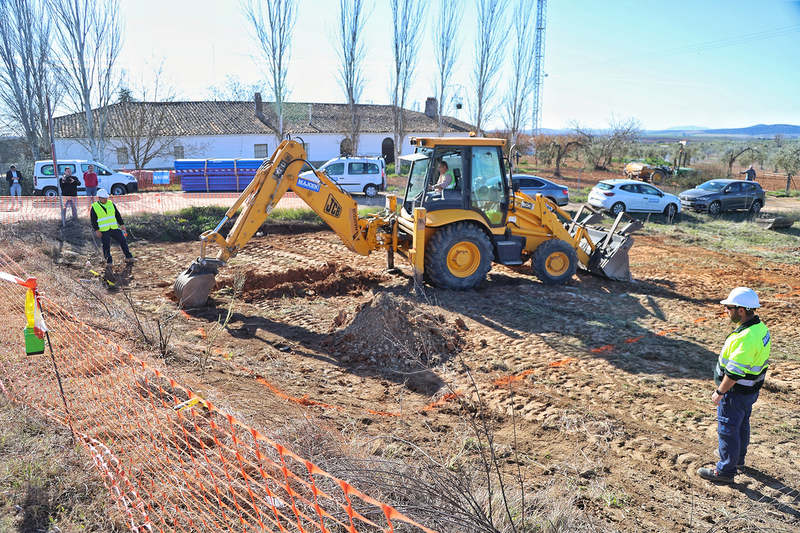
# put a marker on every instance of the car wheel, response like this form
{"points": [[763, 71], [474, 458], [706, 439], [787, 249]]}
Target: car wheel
{"points": [[50, 192], [657, 177], [371, 190], [715, 208], [756, 207], [617, 208], [118, 190], [670, 211]]}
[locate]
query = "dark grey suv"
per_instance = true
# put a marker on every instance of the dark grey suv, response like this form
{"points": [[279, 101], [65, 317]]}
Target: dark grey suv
{"points": [[716, 196]]}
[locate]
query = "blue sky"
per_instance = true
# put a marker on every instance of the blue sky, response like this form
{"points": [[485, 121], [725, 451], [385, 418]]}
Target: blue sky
{"points": [[715, 64]]}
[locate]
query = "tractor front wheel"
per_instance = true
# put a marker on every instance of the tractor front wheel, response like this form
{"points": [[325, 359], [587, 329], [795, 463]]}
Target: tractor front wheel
{"points": [[657, 177], [458, 257], [554, 262]]}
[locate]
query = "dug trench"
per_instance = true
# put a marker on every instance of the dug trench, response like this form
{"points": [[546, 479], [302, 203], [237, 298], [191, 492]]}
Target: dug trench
{"points": [[598, 387]]}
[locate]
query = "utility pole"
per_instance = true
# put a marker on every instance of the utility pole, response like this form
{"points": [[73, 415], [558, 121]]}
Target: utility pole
{"points": [[538, 72]]}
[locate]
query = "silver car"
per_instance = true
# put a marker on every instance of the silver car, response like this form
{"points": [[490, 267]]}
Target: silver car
{"points": [[533, 185]]}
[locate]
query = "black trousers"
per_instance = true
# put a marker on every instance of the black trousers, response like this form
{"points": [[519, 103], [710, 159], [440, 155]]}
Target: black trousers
{"points": [[118, 236]]}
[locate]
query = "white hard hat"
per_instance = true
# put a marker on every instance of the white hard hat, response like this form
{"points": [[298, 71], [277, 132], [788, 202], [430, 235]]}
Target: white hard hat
{"points": [[102, 193], [742, 297]]}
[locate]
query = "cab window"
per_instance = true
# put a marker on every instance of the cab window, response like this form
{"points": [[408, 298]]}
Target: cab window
{"points": [[489, 189]]}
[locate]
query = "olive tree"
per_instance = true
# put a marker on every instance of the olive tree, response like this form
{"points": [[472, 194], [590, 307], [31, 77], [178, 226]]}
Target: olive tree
{"points": [[600, 146]]}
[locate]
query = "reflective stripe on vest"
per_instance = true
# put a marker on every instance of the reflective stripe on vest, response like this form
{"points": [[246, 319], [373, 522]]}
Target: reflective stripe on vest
{"points": [[746, 353], [106, 216]]}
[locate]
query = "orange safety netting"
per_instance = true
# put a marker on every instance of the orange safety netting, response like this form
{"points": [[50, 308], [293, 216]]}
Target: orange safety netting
{"points": [[33, 208], [172, 461]]}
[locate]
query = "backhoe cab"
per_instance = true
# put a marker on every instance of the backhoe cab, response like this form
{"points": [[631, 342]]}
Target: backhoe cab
{"points": [[450, 236]]}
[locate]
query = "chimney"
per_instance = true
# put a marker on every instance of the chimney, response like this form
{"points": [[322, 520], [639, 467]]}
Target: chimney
{"points": [[430, 107], [259, 106]]}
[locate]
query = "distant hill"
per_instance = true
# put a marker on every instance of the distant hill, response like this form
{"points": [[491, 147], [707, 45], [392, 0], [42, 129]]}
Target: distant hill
{"points": [[759, 130]]}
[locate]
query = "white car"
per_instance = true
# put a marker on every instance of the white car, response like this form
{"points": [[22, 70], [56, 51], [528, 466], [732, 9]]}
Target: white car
{"points": [[354, 174], [633, 196], [116, 183]]}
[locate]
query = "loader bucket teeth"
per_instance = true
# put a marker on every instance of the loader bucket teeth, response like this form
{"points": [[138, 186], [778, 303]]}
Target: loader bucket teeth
{"points": [[194, 285]]}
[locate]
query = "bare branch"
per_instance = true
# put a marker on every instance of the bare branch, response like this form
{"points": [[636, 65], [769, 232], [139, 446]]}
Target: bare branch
{"points": [[522, 61], [352, 53], [489, 49], [445, 49]]}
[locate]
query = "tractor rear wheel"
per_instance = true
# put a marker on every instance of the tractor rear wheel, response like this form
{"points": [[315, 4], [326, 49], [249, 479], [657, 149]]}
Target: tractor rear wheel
{"points": [[458, 257], [657, 177], [554, 262]]}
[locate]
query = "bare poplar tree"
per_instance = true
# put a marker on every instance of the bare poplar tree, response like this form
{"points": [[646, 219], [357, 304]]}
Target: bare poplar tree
{"points": [[408, 18], [88, 36], [272, 23], [522, 75], [445, 49], [352, 53], [25, 74], [489, 47], [141, 122], [233, 89]]}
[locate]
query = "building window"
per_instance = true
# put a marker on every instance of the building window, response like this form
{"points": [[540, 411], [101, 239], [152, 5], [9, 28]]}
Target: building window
{"points": [[178, 152], [260, 151], [122, 156]]}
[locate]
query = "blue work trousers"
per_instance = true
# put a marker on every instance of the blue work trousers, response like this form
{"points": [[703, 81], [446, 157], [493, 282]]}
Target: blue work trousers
{"points": [[733, 428]]}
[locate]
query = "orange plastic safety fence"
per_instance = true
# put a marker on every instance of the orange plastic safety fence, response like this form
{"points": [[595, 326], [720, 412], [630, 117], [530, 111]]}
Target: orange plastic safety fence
{"points": [[36, 208], [172, 461]]}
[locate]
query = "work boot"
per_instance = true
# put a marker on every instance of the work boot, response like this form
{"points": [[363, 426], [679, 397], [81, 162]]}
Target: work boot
{"points": [[740, 467], [712, 474], [130, 259]]}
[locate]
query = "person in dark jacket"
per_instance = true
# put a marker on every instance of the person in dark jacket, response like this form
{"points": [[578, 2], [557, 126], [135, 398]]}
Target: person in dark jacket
{"points": [[108, 224], [69, 188], [14, 179]]}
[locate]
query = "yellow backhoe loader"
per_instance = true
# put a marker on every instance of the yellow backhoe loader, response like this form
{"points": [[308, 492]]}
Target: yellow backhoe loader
{"points": [[450, 236]]}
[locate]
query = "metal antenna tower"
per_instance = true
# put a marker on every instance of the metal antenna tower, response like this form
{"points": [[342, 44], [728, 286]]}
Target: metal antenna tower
{"points": [[538, 72]]}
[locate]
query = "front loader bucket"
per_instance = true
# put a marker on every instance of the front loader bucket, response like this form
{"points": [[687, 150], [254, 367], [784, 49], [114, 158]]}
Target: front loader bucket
{"points": [[194, 285], [610, 257]]}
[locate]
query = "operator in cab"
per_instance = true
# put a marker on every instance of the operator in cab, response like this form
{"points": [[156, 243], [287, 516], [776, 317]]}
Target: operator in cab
{"points": [[446, 178]]}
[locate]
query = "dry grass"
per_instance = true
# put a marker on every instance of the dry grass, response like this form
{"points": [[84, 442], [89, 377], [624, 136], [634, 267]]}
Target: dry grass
{"points": [[47, 482]]}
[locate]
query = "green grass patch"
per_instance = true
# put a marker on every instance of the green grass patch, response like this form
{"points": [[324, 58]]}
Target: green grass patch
{"points": [[732, 232]]}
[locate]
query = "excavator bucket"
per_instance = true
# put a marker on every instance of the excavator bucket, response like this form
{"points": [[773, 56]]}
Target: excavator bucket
{"points": [[194, 285], [610, 256]]}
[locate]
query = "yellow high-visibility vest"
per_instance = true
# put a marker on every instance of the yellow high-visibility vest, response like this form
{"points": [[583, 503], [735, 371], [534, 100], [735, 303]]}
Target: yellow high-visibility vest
{"points": [[106, 215]]}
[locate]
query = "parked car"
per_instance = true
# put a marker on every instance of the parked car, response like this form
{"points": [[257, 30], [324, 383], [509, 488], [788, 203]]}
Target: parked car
{"points": [[716, 196], [533, 185], [633, 196], [44, 180], [355, 174]]}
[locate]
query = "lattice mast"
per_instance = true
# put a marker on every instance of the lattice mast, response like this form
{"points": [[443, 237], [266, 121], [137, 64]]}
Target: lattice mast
{"points": [[538, 73]]}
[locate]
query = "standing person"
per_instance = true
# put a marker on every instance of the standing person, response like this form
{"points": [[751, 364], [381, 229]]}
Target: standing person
{"points": [[90, 183], [739, 375], [108, 224], [14, 179], [751, 174], [69, 188]]}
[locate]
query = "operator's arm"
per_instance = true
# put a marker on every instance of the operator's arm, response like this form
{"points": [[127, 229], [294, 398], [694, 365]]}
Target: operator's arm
{"points": [[120, 222]]}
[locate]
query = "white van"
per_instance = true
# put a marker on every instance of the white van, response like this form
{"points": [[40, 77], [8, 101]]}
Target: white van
{"points": [[355, 174], [44, 180]]}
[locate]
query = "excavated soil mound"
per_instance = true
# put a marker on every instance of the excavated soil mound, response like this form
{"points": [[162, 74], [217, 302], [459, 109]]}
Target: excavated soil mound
{"points": [[329, 280], [396, 332]]}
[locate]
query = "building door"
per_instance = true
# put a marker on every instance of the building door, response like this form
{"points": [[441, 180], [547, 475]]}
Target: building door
{"points": [[387, 150]]}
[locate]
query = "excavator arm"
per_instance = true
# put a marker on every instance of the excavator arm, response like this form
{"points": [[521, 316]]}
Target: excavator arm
{"points": [[274, 178]]}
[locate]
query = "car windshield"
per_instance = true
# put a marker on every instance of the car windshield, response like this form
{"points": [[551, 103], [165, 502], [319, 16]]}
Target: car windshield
{"points": [[712, 186]]}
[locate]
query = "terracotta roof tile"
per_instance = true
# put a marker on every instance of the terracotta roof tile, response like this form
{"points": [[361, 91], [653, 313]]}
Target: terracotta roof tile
{"points": [[239, 118]]}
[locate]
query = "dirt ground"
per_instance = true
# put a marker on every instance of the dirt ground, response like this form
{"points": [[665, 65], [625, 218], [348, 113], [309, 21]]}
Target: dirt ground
{"points": [[605, 386]]}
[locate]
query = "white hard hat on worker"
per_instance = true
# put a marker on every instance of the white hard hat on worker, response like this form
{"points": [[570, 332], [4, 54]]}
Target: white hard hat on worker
{"points": [[742, 297], [102, 193]]}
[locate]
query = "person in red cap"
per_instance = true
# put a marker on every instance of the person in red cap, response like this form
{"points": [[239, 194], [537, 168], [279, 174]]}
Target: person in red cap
{"points": [[108, 224]]}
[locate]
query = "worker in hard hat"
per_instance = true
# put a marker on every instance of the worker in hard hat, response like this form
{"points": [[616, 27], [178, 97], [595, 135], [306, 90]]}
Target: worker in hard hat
{"points": [[107, 223], [739, 375]]}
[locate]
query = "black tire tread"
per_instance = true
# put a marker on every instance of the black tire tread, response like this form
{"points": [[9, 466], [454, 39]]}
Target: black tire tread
{"points": [[543, 251], [440, 244]]}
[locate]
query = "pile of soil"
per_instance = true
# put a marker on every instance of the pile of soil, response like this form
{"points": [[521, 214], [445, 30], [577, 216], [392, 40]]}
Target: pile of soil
{"points": [[330, 280], [395, 332]]}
